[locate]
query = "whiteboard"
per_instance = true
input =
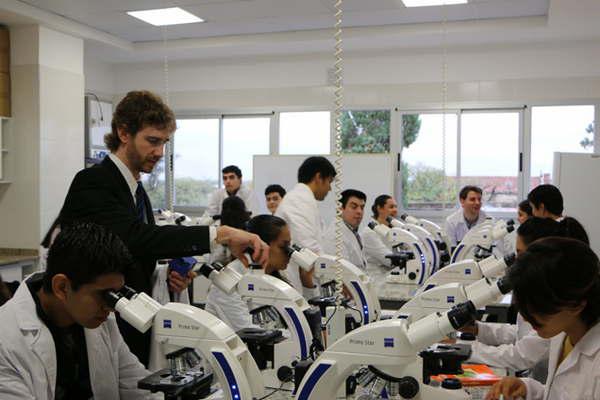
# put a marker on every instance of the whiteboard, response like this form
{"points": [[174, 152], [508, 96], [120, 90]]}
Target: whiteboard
{"points": [[370, 173], [577, 176]]}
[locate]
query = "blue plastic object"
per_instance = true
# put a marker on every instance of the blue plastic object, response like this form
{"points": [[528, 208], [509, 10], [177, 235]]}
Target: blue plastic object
{"points": [[182, 265]]}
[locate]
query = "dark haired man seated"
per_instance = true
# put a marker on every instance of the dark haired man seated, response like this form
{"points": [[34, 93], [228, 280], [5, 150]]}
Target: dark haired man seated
{"points": [[59, 339]]}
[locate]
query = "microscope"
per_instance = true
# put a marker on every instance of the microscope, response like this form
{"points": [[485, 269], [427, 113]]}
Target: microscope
{"points": [[166, 217], [469, 271], [409, 260], [444, 297], [439, 236], [186, 338], [427, 240], [382, 357], [336, 275], [478, 243], [271, 298]]}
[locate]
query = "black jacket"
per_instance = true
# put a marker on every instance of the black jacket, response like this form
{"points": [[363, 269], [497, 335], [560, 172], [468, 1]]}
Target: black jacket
{"points": [[100, 194]]}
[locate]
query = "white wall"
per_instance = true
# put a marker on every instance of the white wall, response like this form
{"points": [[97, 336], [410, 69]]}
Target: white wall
{"points": [[47, 124], [567, 71], [99, 77], [61, 119]]}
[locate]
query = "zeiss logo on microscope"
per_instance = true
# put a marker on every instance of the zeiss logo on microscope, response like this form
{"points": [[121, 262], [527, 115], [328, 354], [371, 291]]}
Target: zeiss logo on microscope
{"points": [[251, 286], [167, 323], [388, 342], [450, 299]]}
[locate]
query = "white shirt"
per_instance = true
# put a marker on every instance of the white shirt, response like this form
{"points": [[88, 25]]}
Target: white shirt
{"points": [[28, 357], [351, 249], [456, 227], [229, 308], [215, 204], [577, 377], [129, 178], [300, 210], [516, 347]]}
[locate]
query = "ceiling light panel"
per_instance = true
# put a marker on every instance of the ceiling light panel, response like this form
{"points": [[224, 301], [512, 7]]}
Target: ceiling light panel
{"points": [[429, 3], [166, 16]]}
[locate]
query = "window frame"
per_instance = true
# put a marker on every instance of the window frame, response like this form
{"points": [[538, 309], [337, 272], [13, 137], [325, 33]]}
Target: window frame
{"points": [[396, 146], [524, 151], [170, 186], [520, 175]]}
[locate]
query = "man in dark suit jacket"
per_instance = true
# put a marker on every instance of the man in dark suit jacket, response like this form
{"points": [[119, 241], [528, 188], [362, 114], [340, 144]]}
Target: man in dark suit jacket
{"points": [[111, 194]]}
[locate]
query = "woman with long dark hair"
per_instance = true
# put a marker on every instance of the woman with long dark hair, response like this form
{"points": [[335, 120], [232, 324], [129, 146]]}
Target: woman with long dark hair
{"points": [[556, 287]]}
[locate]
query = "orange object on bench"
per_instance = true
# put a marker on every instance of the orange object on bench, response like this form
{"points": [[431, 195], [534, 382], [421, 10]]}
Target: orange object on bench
{"points": [[473, 375]]}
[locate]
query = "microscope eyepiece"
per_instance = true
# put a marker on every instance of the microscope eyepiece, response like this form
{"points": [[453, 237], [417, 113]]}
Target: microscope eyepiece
{"points": [[217, 266], [111, 298], [127, 292], [504, 285], [462, 314], [510, 259], [289, 250]]}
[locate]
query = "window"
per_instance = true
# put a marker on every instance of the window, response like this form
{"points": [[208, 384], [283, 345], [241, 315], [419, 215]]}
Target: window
{"points": [[366, 131], [154, 184], [490, 157], [304, 132], [243, 138], [196, 161], [560, 128], [425, 155]]}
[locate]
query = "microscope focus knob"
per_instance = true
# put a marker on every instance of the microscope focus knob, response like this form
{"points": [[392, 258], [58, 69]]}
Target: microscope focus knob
{"points": [[408, 387], [412, 276], [285, 373]]}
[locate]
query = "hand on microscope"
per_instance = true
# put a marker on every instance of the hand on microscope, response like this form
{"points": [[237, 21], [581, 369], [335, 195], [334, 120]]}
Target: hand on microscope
{"points": [[238, 241], [509, 388], [470, 328], [177, 282]]}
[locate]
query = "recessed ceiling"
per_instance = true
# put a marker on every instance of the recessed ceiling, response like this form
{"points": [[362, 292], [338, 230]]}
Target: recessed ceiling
{"points": [[242, 17]]}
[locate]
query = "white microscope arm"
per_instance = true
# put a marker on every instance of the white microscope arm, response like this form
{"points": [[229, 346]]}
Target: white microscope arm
{"points": [[444, 297], [431, 249], [417, 267], [391, 346], [436, 231], [356, 280], [261, 289], [482, 238], [177, 326], [469, 271]]}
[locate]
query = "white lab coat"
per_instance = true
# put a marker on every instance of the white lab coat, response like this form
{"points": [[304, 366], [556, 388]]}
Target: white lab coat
{"points": [[456, 227], [160, 287], [375, 248], [577, 377], [300, 210], [215, 203], [28, 358], [351, 250], [229, 308], [516, 347]]}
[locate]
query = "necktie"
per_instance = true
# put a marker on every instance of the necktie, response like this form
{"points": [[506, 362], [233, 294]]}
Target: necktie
{"points": [[356, 235], [140, 202]]}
